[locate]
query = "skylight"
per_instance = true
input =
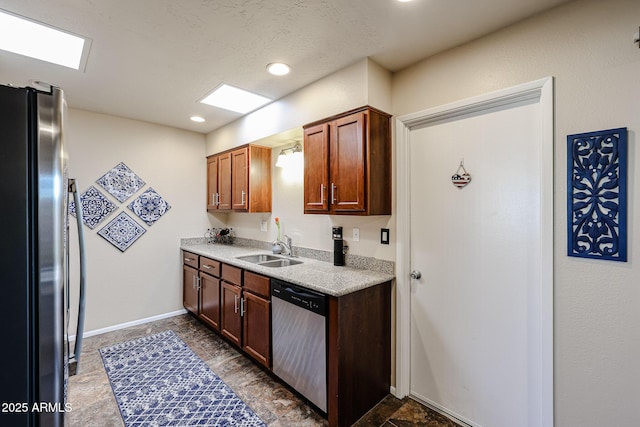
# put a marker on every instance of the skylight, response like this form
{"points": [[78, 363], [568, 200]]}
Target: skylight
{"points": [[25, 37], [234, 99]]}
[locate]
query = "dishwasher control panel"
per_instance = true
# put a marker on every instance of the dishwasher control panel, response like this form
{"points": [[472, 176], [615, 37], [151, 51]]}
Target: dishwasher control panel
{"points": [[302, 297]]}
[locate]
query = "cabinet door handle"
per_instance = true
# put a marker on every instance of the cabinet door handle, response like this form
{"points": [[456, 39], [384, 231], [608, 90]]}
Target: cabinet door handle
{"points": [[199, 282], [242, 309], [322, 188], [242, 201], [334, 188], [235, 303], [193, 282], [217, 199], [213, 199]]}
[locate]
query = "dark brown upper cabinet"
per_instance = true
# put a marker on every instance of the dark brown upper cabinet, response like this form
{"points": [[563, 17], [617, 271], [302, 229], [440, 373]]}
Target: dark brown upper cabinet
{"points": [[347, 164], [239, 180]]}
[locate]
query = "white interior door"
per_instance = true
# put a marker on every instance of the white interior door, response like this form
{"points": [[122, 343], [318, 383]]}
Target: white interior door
{"points": [[475, 313]]}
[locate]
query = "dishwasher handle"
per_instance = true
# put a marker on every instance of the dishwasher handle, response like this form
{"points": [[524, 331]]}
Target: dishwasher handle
{"points": [[298, 292]]}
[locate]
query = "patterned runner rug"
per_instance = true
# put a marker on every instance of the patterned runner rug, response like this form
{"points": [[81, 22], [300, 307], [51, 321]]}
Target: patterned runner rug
{"points": [[158, 381]]}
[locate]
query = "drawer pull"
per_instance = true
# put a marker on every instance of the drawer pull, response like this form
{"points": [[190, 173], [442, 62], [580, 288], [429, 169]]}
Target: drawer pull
{"points": [[208, 267]]}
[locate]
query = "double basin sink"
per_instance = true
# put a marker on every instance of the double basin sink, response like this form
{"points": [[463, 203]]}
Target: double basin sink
{"points": [[267, 260]]}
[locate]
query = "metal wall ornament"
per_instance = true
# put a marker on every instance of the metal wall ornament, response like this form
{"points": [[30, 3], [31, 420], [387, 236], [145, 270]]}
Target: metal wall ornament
{"points": [[460, 180], [597, 194]]}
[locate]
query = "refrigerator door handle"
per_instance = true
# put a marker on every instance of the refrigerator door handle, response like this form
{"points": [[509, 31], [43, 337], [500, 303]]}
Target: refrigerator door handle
{"points": [[81, 304]]}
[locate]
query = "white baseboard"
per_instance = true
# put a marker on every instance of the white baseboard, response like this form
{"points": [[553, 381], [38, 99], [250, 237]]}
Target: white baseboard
{"points": [[128, 324]]}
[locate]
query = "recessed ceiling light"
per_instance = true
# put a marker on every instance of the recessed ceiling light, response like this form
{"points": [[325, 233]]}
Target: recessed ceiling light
{"points": [[197, 119], [25, 37], [278, 68], [404, 1], [234, 99]]}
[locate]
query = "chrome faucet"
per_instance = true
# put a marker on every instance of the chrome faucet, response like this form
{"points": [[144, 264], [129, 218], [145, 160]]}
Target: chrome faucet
{"points": [[288, 248]]}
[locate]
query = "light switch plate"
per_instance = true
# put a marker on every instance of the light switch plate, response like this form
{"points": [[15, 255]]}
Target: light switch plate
{"points": [[263, 225], [356, 234], [384, 236]]}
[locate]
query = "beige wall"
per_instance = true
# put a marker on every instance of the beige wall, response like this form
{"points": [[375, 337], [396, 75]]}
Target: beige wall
{"points": [[143, 281], [344, 90], [588, 47]]}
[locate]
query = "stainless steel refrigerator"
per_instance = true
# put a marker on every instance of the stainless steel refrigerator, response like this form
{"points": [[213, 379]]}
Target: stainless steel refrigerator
{"points": [[34, 263]]}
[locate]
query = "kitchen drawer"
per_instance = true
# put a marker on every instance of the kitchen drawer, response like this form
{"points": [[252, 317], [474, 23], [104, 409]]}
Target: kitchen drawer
{"points": [[232, 274], [257, 284], [210, 266], [190, 259]]}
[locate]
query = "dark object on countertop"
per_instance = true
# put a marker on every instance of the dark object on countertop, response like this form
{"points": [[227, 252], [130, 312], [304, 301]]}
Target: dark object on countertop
{"points": [[220, 235], [338, 246]]}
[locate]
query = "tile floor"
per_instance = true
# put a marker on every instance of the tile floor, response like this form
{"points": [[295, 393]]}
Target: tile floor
{"points": [[93, 403]]}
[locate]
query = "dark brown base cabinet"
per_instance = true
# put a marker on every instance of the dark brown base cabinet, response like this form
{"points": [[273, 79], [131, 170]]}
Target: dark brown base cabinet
{"points": [[359, 347], [234, 302], [210, 300], [201, 288], [256, 332], [231, 321], [190, 282], [237, 303]]}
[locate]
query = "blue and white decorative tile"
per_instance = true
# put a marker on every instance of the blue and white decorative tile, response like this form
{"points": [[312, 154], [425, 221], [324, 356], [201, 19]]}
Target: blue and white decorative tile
{"points": [[149, 206], [95, 207], [122, 231], [121, 182]]}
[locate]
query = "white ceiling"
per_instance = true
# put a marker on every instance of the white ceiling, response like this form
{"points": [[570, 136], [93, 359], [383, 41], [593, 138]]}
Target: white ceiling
{"points": [[153, 60]]}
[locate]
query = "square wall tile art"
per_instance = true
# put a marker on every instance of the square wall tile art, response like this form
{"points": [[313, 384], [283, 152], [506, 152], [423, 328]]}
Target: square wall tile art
{"points": [[149, 206], [95, 207], [121, 182], [122, 231], [597, 194]]}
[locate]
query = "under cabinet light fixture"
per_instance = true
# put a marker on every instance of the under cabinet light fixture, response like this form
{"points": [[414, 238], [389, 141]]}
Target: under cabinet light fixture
{"points": [[234, 99], [288, 154], [40, 41]]}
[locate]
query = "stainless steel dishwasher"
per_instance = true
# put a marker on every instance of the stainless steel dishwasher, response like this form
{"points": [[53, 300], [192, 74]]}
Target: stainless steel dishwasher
{"points": [[299, 340]]}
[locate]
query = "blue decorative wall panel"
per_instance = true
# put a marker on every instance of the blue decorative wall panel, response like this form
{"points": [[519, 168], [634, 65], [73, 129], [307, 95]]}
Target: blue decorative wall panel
{"points": [[95, 207], [121, 182], [597, 194], [122, 231], [149, 206]]}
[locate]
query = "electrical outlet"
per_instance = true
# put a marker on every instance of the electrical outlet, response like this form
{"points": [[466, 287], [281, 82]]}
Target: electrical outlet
{"points": [[356, 234], [263, 225]]}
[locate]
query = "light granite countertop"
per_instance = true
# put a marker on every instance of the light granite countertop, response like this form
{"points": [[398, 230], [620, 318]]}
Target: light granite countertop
{"points": [[317, 275]]}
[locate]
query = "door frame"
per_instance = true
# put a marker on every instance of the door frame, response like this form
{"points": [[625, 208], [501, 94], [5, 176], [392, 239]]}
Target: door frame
{"points": [[542, 92]]}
